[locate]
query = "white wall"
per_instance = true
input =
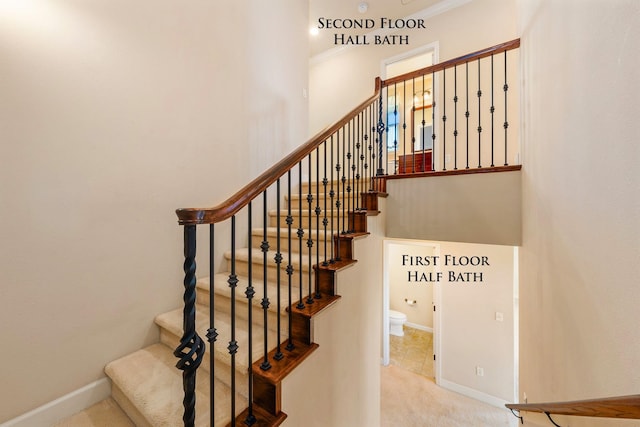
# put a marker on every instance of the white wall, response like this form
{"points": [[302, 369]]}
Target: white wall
{"points": [[112, 115], [581, 202], [470, 334]]}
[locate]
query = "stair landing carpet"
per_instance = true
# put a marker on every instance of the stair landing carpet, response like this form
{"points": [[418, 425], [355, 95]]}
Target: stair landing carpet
{"points": [[411, 400]]}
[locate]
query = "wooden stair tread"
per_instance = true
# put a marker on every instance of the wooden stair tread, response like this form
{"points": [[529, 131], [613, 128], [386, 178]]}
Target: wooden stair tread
{"points": [[281, 368], [318, 305], [263, 418]]}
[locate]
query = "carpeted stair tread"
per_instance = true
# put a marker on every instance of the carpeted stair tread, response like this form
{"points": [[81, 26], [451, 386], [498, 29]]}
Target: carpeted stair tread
{"points": [[172, 321], [104, 413], [221, 287], [152, 384], [257, 257], [273, 232]]}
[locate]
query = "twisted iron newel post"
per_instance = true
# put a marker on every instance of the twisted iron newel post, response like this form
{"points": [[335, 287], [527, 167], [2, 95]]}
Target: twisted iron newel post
{"points": [[191, 348], [380, 129]]}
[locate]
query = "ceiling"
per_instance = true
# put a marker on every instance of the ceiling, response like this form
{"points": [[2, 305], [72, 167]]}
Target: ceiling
{"points": [[348, 9]]}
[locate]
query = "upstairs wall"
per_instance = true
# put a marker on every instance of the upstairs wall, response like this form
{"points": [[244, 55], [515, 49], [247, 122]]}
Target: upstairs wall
{"points": [[475, 208]]}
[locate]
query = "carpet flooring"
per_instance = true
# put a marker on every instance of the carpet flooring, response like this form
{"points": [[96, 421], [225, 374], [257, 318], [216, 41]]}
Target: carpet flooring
{"points": [[411, 400]]}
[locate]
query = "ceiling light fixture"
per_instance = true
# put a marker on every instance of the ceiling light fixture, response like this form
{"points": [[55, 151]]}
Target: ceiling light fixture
{"points": [[363, 7], [314, 31]]}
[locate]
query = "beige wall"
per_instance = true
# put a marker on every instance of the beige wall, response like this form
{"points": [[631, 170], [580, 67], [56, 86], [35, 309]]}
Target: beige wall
{"points": [[470, 334], [478, 208], [112, 115], [581, 202]]}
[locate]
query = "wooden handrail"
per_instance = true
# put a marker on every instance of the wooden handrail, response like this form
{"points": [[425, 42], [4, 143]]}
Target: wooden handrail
{"points": [[493, 50], [608, 407], [241, 198]]}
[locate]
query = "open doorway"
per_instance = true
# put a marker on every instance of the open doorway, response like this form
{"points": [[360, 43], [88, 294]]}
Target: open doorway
{"points": [[409, 299], [410, 108]]}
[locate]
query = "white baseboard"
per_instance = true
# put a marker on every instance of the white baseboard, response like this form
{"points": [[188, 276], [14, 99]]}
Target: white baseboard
{"points": [[472, 393], [419, 327], [63, 407]]}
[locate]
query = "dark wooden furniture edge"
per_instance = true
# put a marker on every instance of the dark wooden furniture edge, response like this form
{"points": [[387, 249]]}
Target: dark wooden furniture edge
{"points": [[452, 172], [608, 407]]}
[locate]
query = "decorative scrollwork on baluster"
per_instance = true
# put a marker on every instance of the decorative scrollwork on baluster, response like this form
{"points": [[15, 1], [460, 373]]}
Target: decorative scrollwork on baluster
{"points": [[191, 349]]}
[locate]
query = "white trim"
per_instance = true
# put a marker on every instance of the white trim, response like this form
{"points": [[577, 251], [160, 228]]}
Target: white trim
{"points": [[431, 47], [419, 327], [63, 407], [474, 394], [437, 323], [430, 12]]}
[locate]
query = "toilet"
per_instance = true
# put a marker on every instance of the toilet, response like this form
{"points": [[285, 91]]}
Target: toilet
{"points": [[396, 320]]}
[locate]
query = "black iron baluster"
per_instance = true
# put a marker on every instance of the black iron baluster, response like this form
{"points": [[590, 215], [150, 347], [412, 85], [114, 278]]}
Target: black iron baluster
{"points": [[395, 126], [444, 120], [455, 117], [424, 122], [310, 237], [249, 293], [348, 196], [317, 211], [433, 121], [278, 260], [289, 221], [212, 334], [325, 220], [367, 146], [338, 203], [332, 193], [360, 172], [479, 120], [492, 111], [404, 126], [413, 135], [300, 234], [233, 344], [466, 114], [380, 133], [506, 122], [191, 349], [343, 180], [265, 365]]}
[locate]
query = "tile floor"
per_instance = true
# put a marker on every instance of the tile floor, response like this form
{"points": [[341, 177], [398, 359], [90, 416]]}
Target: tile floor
{"points": [[413, 351]]}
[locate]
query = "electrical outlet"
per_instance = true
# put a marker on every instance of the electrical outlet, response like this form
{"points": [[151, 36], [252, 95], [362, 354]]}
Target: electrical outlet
{"points": [[479, 371], [524, 396], [499, 316], [447, 158]]}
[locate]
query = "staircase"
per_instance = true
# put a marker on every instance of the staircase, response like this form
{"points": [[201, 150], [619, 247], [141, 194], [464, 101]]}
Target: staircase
{"points": [[259, 313], [148, 387]]}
